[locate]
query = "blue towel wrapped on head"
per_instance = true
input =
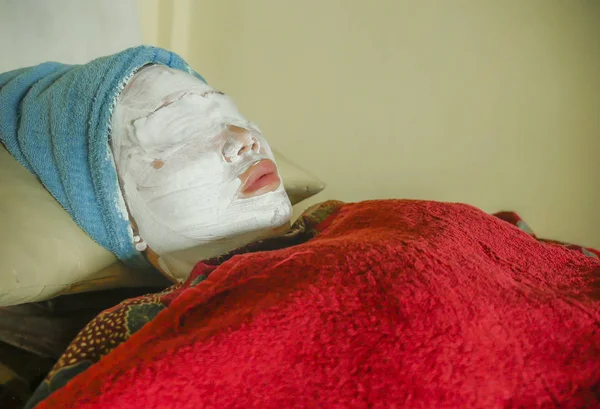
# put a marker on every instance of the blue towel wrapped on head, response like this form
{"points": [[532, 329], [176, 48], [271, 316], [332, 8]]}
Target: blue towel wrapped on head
{"points": [[55, 120]]}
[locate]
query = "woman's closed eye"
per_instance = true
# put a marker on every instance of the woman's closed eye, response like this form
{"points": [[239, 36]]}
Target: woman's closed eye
{"points": [[188, 118]]}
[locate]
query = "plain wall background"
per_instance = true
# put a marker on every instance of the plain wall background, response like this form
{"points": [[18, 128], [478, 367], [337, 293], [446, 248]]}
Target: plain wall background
{"points": [[492, 103]]}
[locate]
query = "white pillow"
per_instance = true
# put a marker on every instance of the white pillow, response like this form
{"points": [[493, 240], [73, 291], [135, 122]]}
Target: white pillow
{"points": [[43, 253]]}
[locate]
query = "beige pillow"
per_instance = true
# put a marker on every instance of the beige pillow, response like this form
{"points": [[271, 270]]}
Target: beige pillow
{"points": [[43, 253]]}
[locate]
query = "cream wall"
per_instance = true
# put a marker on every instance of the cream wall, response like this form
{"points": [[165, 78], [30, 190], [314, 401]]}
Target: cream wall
{"points": [[493, 103]]}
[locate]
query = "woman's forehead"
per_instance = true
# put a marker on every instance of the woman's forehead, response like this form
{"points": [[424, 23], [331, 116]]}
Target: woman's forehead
{"points": [[157, 82]]}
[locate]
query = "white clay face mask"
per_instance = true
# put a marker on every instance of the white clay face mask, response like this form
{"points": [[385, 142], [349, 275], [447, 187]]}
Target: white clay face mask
{"points": [[194, 172]]}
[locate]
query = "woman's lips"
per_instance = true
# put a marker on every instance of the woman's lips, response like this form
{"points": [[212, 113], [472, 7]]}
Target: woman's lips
{"points": [[259, 178]]}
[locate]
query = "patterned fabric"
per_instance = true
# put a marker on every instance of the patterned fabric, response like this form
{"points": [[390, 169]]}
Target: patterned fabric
{"points": [[115, 325]]}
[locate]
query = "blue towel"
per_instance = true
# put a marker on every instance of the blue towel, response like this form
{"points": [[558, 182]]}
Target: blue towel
{"points": [[55, 120]]}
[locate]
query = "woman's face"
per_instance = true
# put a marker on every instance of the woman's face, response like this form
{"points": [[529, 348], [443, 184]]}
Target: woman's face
{"points": [[193, 170]]}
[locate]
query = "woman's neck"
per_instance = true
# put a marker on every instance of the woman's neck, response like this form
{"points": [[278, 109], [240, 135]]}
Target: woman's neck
{"points": [[179, 264]]}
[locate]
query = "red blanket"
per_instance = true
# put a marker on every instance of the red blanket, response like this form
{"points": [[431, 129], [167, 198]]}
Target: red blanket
{"points": [[394, 304]]}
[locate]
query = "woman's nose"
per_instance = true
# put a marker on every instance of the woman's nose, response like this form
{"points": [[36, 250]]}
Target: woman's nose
{"points": [[239, 142]]}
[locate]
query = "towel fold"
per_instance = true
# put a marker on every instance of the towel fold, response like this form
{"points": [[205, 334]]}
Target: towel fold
{"points": [[55, 120]]}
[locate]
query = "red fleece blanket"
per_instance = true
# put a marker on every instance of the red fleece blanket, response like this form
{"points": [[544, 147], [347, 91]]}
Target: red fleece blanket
{"points": [[394, 304]]}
